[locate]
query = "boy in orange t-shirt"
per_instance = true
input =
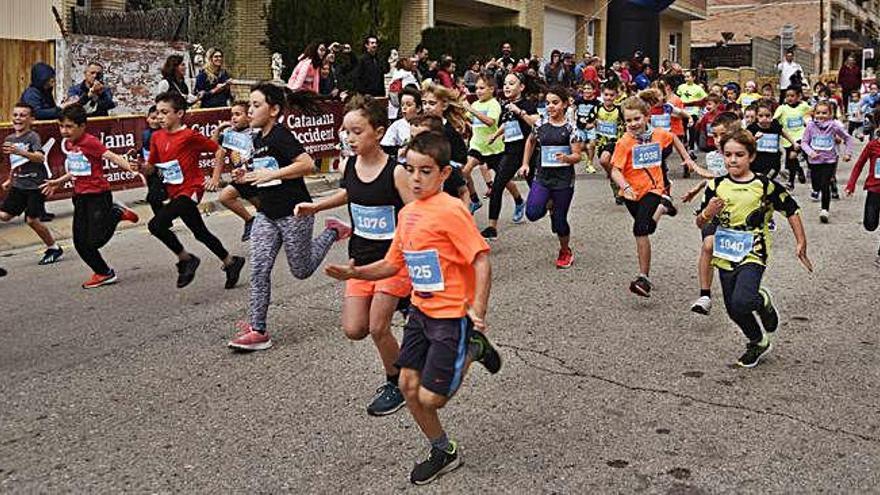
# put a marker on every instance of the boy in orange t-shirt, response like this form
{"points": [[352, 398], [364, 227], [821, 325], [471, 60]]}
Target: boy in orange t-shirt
{"points": [[637, 169], [448, 263]]}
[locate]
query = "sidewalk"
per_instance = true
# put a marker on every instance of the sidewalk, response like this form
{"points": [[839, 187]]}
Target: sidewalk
{"points": [[16, 234]]}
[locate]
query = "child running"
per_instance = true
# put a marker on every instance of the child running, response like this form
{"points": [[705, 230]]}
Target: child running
{"points": [[871, 156], [175, 151], [560, 146], [27, 173], [444, 103], [277, 169], [398, 133], [819, 144], [793, 115], [740, 205], [156, 194], [609, 128], [375, 189], [235, 136], [637, 162], [95, 216], [767, 132], [448, 263]]}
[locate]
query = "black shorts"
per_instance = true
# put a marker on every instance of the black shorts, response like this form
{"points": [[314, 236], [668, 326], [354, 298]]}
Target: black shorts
{"points": [[492, 161], [708, 230], [31, 202], [609, 147], [437, 348], [642, 212], [454, 182], [246, 191]]}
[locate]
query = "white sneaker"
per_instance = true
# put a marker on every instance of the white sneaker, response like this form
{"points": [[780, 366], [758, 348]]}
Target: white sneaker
{"points": [[702, 305], [824, 215]]}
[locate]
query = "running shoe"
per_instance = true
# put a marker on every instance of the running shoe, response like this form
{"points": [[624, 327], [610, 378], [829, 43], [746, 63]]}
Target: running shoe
{"points": [[702, 305], [487, 356], [489, 233], [99, 280], [388, 400], [47, 217], [693, 155], [802, 178], [3, 272], [754, 352], [519, 212], [475, 205], [814, 196], [186, 270], [641, 286], [251, 340], [768, 314], [126, 214], [343, 230], [835, 195], [565, 259], [51, 256], [248, 226], [824, 215], [671, 210], [233, 271], [439, 462]]}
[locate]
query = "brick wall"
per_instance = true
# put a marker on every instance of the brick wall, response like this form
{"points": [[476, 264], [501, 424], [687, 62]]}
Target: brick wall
{"points": [[251, 57], [414, 18], [753, 18]]}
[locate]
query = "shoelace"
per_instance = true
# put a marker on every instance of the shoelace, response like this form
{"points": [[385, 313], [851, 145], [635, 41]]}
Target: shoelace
{"points": [[243, 328]]}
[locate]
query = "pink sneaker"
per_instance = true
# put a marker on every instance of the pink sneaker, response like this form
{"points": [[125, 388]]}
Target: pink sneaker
{"points": [[343, 230], [248, 339]]}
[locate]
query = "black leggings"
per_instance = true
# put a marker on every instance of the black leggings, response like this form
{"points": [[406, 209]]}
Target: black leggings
{"points": [[793, 164], [510, 164], [820, 176], [872, 211], [187, 210], [94, 222]]}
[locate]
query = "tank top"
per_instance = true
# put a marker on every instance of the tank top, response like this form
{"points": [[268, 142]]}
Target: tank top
{"points": [[373, 207]]}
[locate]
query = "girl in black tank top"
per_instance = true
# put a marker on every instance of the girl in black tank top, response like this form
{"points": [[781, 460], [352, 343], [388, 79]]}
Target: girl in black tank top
{"points": [[373, 207]]}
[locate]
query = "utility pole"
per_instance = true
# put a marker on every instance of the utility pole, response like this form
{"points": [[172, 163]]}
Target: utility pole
{"points": [[821, 36]]}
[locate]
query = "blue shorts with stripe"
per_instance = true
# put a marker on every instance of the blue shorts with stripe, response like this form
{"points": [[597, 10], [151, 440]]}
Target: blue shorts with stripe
{"points": [[437, 348]]}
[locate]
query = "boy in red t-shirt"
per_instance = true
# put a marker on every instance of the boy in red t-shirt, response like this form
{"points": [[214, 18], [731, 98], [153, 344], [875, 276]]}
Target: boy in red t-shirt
{"points": [[448, 263], [95, 216], [175, 151]]}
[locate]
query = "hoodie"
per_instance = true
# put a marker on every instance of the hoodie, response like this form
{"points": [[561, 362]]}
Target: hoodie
{"points": [[36, 96], [823, 134]]}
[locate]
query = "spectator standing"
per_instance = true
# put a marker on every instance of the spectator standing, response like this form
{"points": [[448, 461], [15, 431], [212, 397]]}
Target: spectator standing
{"points": [[787, 69], [445, 73], [551, 68], [214, 82], [369, 72], [643, 80], [307, 73], [471, 75], [506, 58], [591, 72], [173, 73], [849, 78], [39, 95], [91, 93]]}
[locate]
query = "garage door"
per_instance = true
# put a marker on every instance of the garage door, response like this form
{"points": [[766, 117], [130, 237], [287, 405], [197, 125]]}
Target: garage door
{"points": [[559, 32]]}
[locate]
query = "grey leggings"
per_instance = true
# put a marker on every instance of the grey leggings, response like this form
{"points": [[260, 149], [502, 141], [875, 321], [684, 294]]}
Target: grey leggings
{"points": [[304, 255]]}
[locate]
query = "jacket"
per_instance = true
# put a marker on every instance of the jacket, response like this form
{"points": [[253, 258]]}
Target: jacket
{"points": [[37, 96], [369, 75], [99, 106]]}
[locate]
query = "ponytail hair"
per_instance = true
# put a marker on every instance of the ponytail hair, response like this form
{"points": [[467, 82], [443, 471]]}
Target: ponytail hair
{"points": [[287, 99]]}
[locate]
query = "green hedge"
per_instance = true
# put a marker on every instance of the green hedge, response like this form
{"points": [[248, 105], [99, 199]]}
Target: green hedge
{"points": [[466, 43]]}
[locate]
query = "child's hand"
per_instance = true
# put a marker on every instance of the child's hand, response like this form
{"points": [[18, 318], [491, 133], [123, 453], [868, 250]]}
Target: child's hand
{"points": [[49, 187], [5, 185], [849, 192], [478, 317], [814, 155], [211, 184], [560, 157], [759, 135], [714, 207], [341, 272], [690, 195], [238, 174], [524, 170], [11, 149], [629, 193], [492, 139], [305, 209], [259, 176]]}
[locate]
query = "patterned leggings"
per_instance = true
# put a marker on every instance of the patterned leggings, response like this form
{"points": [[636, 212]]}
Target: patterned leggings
{"points": [[304, 255]]}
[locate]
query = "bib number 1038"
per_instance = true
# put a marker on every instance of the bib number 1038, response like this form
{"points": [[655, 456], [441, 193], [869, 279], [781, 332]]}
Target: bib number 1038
{"points": [[424, 270]]}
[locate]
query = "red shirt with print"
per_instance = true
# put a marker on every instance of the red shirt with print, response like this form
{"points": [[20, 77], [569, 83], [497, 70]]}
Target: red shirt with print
{"points": [[93, 150], [185, 146]]}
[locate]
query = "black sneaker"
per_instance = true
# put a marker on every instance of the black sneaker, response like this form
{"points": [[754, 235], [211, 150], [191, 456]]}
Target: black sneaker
{"points": [[388, 400], [47, 217], [488, 356], [754, 352], [3, 272], [768, 314], [186, 270], [671, 210], [248, 226], [802, 178], [641, 286], [52, 256], [233, 271], [438, 462], [489, 233]]}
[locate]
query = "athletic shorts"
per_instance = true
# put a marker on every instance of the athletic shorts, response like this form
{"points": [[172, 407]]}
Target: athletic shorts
{"points": [[246, 191], [708, 230], [398, 285], [642, 212], [609, 147], [437, 348], [491, 160], [31, 202]]}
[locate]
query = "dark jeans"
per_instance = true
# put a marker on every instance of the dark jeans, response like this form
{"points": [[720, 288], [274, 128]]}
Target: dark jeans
{"points": [[94, 222], [186, 209], [741, 298], [536, 206], [820, 177]]}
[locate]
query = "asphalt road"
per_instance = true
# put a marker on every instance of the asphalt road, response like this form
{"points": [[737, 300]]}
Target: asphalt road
{"points": [[130, 388]]}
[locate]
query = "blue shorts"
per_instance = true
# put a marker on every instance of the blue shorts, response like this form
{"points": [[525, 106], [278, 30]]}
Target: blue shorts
{"points": [[437, 348]]}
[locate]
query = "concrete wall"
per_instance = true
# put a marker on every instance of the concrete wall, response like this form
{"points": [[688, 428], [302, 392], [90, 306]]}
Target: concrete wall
{"points": [[28, 20], [765, 56]]}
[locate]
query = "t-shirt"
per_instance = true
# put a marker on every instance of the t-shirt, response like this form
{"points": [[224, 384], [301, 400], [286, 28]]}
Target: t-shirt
{"points": [[640, 162], [25, 173], [609, 125], [766, 160], [184, 146], [441, 240], [691, 93], [793, 119], [552, 139], [516, 129], [87, 179], [482, 132], [280, 145], [747, 99], [748, 208], [397, 134], [677, 124], [585, 113]]}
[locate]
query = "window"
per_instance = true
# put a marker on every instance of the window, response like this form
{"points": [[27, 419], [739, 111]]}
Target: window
{"points": [[674, 51], [592, 26]]}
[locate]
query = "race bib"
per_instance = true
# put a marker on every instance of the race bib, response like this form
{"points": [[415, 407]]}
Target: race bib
{"points": [[475, 122], [732, 245], [146, 154], [424, 270], [794, 122], [663, 121], [542, 111], [692, 110], [548, 156], [877, 169], [241, 142], [607, 129], [171, 172], [373, 222], [715, 163], [852, 109], [590, 134], [512, 132], [16, 161], [769, 143], [647, 156], [822, 143], [78, 165], [268, 163]]}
